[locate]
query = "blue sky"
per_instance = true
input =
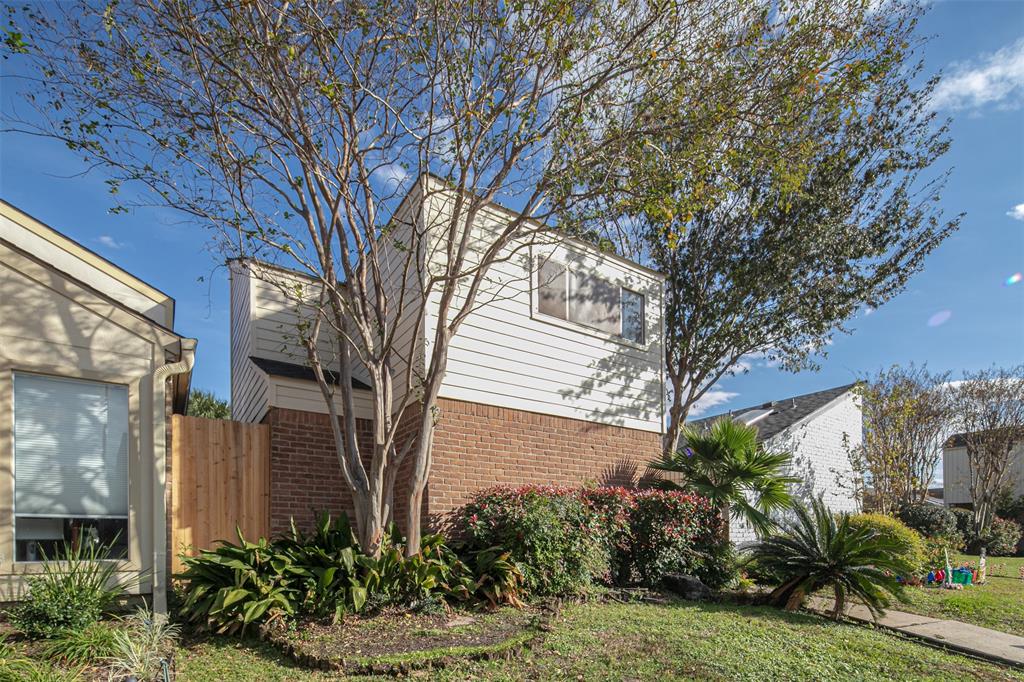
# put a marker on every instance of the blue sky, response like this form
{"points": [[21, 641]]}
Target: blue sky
{"points": [[976, 319]]}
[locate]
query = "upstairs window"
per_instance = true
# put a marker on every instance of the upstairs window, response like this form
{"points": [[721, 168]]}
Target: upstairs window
{"points": [[586, 299], [70, 466]]}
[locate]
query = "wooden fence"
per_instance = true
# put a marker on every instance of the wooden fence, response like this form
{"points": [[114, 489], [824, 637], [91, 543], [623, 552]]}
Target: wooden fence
{"points": [[220, 479]]}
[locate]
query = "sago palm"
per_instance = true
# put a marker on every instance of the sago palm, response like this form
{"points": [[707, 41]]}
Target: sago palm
{"points": [[821, 550], [727, 465]]}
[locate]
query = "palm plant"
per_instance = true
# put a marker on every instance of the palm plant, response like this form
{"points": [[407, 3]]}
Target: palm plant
{"points": [[727, 465], [822, 550]]}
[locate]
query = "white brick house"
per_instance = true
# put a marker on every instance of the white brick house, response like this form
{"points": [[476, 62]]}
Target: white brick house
{"points": [[818, 429]]}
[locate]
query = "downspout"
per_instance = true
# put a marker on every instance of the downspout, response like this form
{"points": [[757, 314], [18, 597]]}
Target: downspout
{"points": [[160, 376]]}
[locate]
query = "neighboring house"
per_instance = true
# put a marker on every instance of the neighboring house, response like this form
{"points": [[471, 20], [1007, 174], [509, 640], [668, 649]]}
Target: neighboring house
{"points": [[956, 473], [935, 496], [819, 429], [90, 368], [556, 378]]}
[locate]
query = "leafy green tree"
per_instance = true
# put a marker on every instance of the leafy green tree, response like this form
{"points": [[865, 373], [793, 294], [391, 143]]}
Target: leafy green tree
{"points": [[822, 550], [728, 465], [907, 414], [988, 406], [774, 230], [205, 404]]}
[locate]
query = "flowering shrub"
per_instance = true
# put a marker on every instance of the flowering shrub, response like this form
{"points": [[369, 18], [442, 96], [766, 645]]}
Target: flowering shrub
{"points": [[549, 533], [565, 539], [654, 532]]}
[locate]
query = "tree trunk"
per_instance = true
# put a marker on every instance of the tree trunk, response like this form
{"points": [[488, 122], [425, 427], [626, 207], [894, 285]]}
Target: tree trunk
{"points": [[724, 513], [418, 483], [840, 606], [676, 415]]}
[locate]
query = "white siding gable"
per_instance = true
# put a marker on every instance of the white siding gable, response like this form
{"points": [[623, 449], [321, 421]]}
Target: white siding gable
{"points": [[504, 354]]}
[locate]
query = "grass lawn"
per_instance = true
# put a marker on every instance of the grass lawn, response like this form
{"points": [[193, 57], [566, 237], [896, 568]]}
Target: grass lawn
{"points": [[998, 604], [677, 640]]}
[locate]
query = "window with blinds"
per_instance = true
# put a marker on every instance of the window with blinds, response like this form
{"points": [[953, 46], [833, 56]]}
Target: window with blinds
{"points": [[589, 300], [70, 464]]}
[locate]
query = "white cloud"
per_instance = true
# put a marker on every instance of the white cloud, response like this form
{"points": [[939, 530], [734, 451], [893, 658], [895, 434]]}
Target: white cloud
{"points": [[109, 242], [391, 175], [1017, 212], [711, 399], [995, 78]]}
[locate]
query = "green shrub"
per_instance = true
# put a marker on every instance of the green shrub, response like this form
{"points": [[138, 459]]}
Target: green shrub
{"points": [[323, 574], [655, 532], [936, 549], [497, 579], [566, 539], [897, 533], [1002, 537], [550, 534], [92, 644], [235, 585], [964, 523], [825, 551], [931, 521], [71, 593]]}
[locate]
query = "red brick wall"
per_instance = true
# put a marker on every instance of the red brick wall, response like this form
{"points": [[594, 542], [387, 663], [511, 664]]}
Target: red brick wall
{"points": [[477, 446], [305, 476]]}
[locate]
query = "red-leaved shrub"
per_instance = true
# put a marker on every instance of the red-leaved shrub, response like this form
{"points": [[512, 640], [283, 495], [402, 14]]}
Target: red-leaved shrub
{"points": [[565, 539]]}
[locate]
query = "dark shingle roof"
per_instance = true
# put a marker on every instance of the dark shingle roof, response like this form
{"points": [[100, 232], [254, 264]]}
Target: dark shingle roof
{"points": [[785, 412], [290, 370], [959, 440]]}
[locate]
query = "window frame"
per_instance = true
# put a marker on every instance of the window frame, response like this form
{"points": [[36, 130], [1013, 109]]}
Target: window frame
{"points": [[128, 562], [567, 323]]}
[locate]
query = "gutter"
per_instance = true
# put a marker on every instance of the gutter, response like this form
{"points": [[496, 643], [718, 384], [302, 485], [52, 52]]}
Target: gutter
{"points": [[160, 376]]}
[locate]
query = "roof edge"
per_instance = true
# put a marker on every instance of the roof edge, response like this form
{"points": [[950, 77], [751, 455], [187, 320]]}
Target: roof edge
{"points": [[75, 248]]}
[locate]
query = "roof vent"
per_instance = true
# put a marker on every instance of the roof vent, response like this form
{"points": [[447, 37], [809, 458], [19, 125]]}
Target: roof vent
{"points": [[752, 416]]}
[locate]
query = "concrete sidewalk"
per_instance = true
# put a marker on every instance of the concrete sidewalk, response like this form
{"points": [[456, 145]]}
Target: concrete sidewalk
{"points": [[952, 634]]}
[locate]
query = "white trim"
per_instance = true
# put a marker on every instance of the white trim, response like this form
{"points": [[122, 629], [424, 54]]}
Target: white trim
{"points": [[578, 326]]}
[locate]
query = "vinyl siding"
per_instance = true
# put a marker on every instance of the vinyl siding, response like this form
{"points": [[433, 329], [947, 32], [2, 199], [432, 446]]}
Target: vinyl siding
{"points": [[403, 264], [51, 247], [298, 394], [507, 355], [956, 475], [248, 384], [51, 325]]}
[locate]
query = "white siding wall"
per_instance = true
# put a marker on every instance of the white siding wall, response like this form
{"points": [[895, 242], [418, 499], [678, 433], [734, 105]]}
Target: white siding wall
{"points": [[248, 384], [504, 354], [404, 272], [956, 475], [507, 355], [820, 458]]}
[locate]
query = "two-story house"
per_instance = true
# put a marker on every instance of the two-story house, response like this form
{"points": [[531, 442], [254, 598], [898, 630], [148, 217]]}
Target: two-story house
{"points": [[556, 376]]}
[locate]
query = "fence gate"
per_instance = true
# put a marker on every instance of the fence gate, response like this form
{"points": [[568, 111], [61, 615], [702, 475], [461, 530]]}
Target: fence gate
{"points": [[220, 478]]}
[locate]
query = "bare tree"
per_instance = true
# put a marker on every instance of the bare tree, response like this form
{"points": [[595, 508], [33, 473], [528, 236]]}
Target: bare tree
{"points": [[295, 131], [906, 413], [989, 407]]}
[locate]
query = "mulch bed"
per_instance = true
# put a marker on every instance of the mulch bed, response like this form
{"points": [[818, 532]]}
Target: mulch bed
{"points": [[396, 643]]}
